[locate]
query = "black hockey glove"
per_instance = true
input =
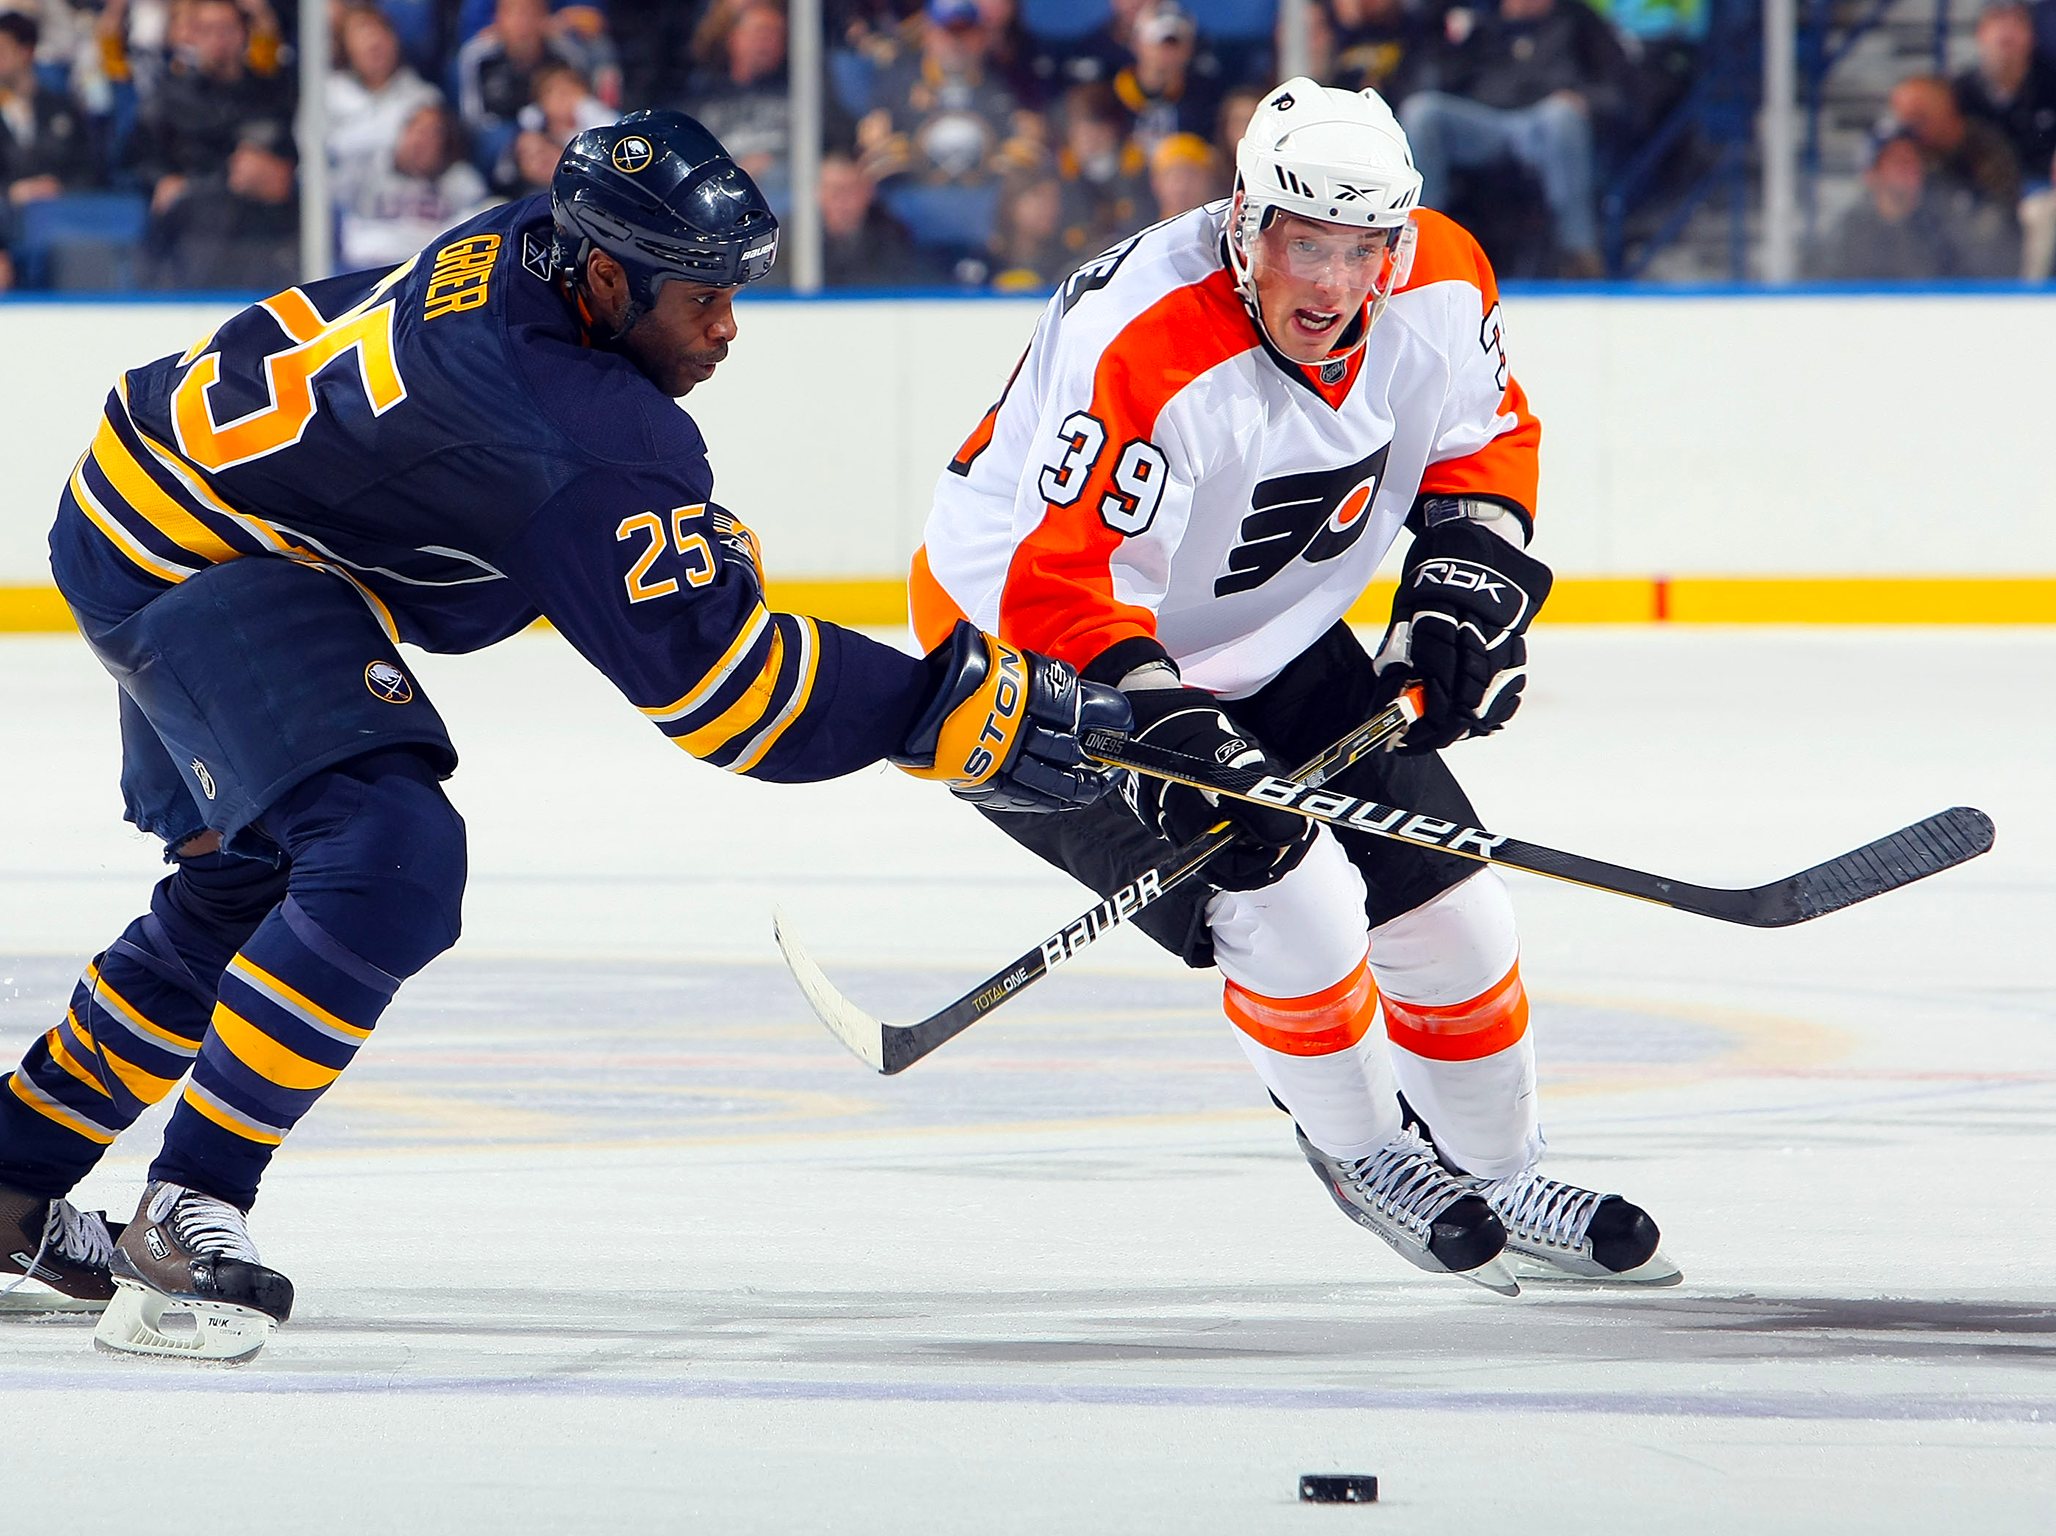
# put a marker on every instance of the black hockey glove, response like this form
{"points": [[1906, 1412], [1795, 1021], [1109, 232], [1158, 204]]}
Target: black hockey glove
{"points": [[1190, 720], [1001, 726], [1465, 599]]}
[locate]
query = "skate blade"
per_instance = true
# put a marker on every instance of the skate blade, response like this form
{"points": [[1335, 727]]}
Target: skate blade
{"points": [[35, 1299], [1561, 1269], [133, 1324], [1493, 1274]]}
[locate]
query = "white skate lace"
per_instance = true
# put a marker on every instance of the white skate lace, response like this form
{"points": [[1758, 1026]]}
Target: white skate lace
{"points": [[1544, 1211], [205, 1225], [1403, 1180], [81, 1236]]}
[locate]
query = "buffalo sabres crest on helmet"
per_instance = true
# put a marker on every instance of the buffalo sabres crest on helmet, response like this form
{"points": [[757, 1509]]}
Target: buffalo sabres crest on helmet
{"points": [[388, 682], [633, 154]]}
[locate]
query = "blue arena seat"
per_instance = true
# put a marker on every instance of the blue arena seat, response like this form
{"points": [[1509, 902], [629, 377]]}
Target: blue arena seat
{"points": [[1234, 20], [1059, 21], [944, 217], [83, 241]]}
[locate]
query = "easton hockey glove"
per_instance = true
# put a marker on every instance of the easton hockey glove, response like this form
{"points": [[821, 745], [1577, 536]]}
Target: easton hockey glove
{"points": [[1001, 727], [1465, 600], [1190, 720]]}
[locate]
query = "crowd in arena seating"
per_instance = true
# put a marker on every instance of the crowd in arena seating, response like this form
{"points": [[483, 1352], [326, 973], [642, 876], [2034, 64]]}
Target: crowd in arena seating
{"points": [[978, 143], [1956, 176]]}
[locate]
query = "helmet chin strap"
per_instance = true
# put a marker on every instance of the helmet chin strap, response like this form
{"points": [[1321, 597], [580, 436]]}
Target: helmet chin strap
{"points": [[629, 319]]}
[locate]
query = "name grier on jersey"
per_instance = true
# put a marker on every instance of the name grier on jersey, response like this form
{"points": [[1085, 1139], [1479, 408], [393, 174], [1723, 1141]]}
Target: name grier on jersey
{"points": [[462, 276]]}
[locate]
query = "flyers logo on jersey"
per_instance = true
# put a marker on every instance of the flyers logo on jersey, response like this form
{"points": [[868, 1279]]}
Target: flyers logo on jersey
{"points": [[1316, 516]]}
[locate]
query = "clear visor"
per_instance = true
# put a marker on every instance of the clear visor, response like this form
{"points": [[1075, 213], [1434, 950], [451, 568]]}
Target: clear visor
{"points": [[1333, 255]]}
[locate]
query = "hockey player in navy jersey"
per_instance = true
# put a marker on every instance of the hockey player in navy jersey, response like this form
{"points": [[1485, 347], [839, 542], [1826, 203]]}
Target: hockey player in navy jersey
{"points": [[437, 455]]}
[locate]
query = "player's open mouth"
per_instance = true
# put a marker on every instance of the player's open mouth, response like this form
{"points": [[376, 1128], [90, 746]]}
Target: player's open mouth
{"points": [[1316, 322]]}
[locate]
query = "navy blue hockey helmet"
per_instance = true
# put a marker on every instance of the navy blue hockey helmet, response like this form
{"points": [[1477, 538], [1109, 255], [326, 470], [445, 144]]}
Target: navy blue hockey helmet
{"points": [[658, 193]]}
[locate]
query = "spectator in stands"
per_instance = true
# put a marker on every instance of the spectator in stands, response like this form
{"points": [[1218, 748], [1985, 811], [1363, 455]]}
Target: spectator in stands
{"points": [[418, 187], [1534, 81], [1185, 173], [1913, 225], [577, 27], [747, 103], [1968, 150], [68, 50], [564, 105], [370, 99], [1010, 54], [6, 260], [1162, 90], [192, 124], [1029, 252], [1104, 172], [940, 118], [45, 143], [238, 228], [2038, 231], [1378, 47], [2013, 87], [496, 71], [1099, 55], [862, 245], [1232, 121]]}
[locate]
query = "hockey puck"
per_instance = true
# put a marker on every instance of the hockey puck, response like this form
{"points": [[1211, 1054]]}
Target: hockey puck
{"points": [[1337, 1488]]}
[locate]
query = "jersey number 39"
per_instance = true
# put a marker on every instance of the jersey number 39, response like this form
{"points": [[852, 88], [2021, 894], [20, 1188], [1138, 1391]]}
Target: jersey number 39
{"points": [[1130, 504]]}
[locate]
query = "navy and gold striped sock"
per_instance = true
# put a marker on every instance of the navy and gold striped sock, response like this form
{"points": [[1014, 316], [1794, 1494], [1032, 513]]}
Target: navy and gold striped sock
{"points": [[133, 1027], [294, 1006]]}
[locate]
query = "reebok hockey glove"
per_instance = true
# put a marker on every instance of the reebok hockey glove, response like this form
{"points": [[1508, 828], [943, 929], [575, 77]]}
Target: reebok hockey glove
{"points": [[1189, 720], [1001, 727], [1465, 599]]}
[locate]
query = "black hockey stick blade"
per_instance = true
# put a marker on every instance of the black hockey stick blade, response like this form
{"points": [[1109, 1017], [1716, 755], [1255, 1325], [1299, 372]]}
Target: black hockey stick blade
{"points": [[1913, 853], [890, 1048]]}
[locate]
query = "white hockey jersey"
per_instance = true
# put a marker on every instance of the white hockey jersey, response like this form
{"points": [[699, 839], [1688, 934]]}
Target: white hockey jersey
{"points": [[1156, 475]]}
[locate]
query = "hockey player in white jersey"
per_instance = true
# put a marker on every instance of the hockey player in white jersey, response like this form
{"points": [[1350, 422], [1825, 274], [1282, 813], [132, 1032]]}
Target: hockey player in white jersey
{"points": [[1217, 432]]}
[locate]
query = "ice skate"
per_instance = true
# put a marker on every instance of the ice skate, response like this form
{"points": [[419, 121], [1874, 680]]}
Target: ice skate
{"points": [[1558, 1231], [55, 1256], [1432, 1219], [189, 1256]]}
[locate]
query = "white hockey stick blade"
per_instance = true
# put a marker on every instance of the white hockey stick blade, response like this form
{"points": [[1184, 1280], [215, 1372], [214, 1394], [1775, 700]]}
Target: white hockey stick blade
{"points": [[864, 1035]]}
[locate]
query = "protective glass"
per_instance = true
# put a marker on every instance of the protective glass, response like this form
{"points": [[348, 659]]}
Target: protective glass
{"points": [[1358, 260]]}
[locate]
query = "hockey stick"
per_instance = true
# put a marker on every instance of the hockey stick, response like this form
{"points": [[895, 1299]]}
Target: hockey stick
{"points": [[890, 1048], [1913, 853]]}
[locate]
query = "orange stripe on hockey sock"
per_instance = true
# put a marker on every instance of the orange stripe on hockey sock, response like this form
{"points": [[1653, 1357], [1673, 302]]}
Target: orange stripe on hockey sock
{"points": [[1319, 1024], [1470, 1031]]}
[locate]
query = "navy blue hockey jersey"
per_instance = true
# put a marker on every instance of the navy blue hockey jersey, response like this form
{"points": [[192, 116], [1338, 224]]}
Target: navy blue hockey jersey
{"points": [[445, 437]]}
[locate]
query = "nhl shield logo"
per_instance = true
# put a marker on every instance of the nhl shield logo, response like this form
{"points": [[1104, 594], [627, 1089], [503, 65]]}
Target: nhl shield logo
{"points": [[633, 154], [388, 682], [206, 779]]}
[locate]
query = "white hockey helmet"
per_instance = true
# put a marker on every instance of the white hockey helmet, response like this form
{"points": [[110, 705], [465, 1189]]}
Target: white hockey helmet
{"points": [[1328, 154]]}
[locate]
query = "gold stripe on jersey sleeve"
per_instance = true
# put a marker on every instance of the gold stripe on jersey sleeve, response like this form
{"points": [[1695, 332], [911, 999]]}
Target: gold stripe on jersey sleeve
{"points": [[745, 713], [152, 502], [719, 673], [809, 665], [132, 548]]}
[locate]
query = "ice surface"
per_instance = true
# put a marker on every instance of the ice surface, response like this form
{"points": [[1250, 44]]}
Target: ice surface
{"points": [[603, 1232]]}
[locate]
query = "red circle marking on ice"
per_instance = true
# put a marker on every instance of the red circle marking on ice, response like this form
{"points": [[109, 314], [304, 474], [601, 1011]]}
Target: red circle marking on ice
{"points": [[1352, 506]]}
